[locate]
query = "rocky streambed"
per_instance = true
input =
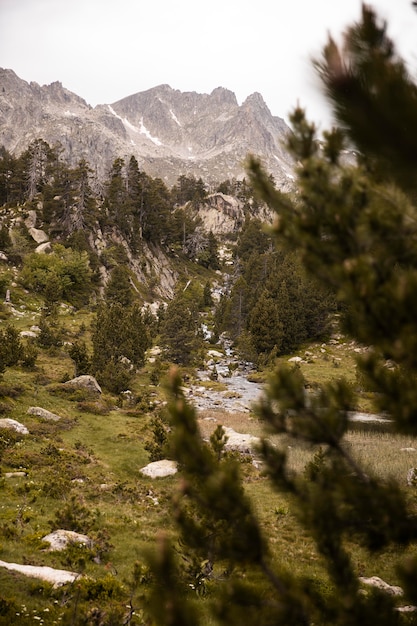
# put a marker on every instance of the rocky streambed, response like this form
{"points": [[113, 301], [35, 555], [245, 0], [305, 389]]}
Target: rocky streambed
{"points": [[225, 384]]}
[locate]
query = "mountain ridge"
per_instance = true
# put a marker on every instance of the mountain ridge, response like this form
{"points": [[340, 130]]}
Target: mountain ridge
{"points": [[169, 132]]}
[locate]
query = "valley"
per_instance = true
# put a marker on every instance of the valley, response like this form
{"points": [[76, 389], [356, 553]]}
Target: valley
{"points": [[207, 363]]}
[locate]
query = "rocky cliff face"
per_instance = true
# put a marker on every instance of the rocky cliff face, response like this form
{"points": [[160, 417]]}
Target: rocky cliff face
{"points": [[169, 132]]}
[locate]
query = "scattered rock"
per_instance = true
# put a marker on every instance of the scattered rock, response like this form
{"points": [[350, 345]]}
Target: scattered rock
{"points": [[238, 442], [7, 422], [38, 235], [159, 469], [15, 312], [412, 477], [153, 353], [15, 474], [59, 539], [43, 413], [30, 220], [84, 382], [295, 359], [28, 333], [357, 416], [44, 248], [3, 257], [55, 576], [375, 581], [215, 354]]}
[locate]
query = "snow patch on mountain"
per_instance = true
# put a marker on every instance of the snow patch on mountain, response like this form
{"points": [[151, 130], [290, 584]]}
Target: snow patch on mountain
{"points": [[144, 131], [174, 117]]}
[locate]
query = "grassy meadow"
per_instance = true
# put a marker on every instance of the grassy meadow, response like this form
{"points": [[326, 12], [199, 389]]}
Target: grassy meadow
{"points": [[83, 471]]}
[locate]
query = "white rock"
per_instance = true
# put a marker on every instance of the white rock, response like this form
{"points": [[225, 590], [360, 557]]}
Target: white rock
{"points": [[375, 581], [38, 235], [14, 474], [357, 416], [28, 333], [84, 382], [239, 442], [155, 351], [44, 248], [7, 422], [215, 354], [160, 469], [59, 539], [40, 412], [295, 359], [55, 576], [30, 221]]}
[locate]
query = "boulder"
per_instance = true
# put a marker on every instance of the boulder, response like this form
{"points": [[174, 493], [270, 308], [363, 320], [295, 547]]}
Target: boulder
{"points": [[28, 333], [38, 235], [215, 354], [378, 583], [6, 422], [59, 539], [44, 248], [159, 469], [84, 382], [43, 413], [55, 576], [295, 359], [238, 442]]}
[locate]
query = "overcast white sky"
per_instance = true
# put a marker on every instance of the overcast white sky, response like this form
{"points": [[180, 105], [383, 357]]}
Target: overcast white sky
{"points": [[104, 50]]}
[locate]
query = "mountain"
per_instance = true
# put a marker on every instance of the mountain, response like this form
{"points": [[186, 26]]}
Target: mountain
{"points": [[169, 132]]}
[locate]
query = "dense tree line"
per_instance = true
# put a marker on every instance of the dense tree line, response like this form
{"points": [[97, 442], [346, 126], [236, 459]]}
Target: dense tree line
{"points": [[271, 306], [141, 207]]}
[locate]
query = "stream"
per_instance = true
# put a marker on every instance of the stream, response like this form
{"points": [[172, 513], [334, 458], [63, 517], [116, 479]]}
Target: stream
{"points": [[240, 393]]}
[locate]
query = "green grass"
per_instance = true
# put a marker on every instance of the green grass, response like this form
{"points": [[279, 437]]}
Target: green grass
{"points": [[97, 457]]}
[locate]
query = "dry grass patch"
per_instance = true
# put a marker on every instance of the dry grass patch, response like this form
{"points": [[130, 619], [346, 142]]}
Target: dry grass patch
{"points": [[241, 422]]}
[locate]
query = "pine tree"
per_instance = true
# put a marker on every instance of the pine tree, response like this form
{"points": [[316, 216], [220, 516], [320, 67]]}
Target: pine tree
{"points": [[37, 160], [179, 331], [265, 324], [120, 339], [119, 287], [355, 227], [84, 207]]}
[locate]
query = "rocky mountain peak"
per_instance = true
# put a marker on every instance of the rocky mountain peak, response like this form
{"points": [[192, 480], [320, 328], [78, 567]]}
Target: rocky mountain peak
{"points": [[169, 132], [255, 100], [225, 96]]}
